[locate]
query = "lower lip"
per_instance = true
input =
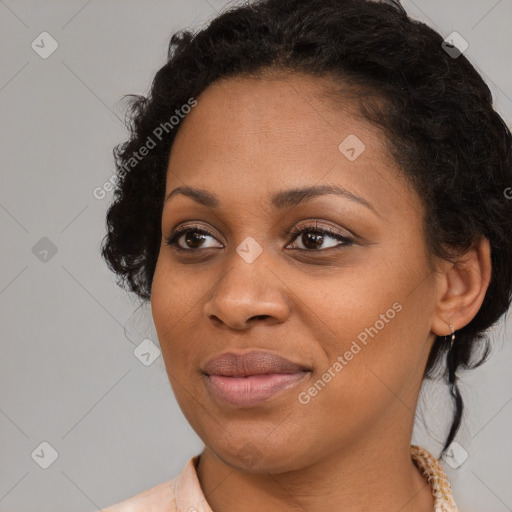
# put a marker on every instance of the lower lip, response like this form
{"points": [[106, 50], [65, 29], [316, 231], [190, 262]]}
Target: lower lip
{"points": [[252, 390]]}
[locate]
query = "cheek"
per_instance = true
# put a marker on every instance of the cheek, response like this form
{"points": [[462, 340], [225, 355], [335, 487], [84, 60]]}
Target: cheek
{"points": [[177, 315], [373, 329], [172, 298], [161, 300], [169, 306]]}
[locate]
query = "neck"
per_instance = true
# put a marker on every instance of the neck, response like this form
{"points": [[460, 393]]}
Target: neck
{"points": [[378, 476]]}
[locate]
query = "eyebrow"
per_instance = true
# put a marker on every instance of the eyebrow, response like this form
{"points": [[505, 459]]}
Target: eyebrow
{"points": [[280, 200]]}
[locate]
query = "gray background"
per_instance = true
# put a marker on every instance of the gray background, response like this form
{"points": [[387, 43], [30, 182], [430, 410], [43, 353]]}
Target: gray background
{"points": [[68, 375]]}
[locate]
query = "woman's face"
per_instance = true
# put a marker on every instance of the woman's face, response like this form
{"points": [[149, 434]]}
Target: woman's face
{"points": [[354, 313]]}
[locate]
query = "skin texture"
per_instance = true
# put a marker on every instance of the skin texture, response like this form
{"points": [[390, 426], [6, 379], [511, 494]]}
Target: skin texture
{"points": [[348, 448]]}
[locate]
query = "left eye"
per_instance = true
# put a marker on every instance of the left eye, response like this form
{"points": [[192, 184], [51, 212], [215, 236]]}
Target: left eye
{"points": [[316, 236]]}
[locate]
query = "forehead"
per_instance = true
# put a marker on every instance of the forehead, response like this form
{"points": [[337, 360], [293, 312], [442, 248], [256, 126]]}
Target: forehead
{"points": [[281, 114], [254, 135]]}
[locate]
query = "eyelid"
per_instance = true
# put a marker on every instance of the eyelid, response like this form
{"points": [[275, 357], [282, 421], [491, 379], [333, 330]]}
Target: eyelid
{"points": [[305, 226]]}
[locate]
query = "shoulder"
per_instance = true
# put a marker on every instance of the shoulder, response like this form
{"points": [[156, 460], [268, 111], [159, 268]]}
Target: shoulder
{"points": [[182, 492], [160, 498]]}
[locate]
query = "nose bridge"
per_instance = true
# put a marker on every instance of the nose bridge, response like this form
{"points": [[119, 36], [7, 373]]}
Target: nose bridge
{"points": [[248, 288]]}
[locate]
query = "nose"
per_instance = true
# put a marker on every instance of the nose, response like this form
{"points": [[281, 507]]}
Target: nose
{"points": [[248, 293]]}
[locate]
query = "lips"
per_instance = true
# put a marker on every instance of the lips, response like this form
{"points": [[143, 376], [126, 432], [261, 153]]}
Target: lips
{"points": [[250, 379], [230, 364]]}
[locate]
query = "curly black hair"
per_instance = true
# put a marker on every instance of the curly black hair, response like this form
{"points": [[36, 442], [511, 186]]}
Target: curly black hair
{"points": [[434, 109]]}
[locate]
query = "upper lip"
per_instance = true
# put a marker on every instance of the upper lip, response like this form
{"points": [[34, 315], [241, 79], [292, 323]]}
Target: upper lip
{"points": [[231, 364]]}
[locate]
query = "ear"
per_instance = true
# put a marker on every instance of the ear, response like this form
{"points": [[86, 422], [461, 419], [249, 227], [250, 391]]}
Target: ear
{"points": [[461, 288]]}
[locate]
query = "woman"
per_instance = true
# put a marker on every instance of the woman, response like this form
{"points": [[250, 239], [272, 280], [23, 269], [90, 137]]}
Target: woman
{"points": [[314, 200]]}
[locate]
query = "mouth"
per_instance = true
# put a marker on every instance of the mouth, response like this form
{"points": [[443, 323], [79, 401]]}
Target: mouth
{"points": [[247, 380]]}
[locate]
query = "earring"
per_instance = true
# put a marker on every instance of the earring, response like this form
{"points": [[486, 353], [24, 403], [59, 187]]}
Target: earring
{"points": [[453, 336]]}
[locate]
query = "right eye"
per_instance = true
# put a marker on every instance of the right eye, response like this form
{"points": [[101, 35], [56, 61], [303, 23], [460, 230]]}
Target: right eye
{"points": [[193, 237]]}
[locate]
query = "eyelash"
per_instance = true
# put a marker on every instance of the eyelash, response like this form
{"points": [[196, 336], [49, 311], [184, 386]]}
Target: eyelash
{"points": [[295, 232]]}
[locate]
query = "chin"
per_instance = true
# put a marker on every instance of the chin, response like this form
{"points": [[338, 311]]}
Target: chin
{"points": [[262, 456]]}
